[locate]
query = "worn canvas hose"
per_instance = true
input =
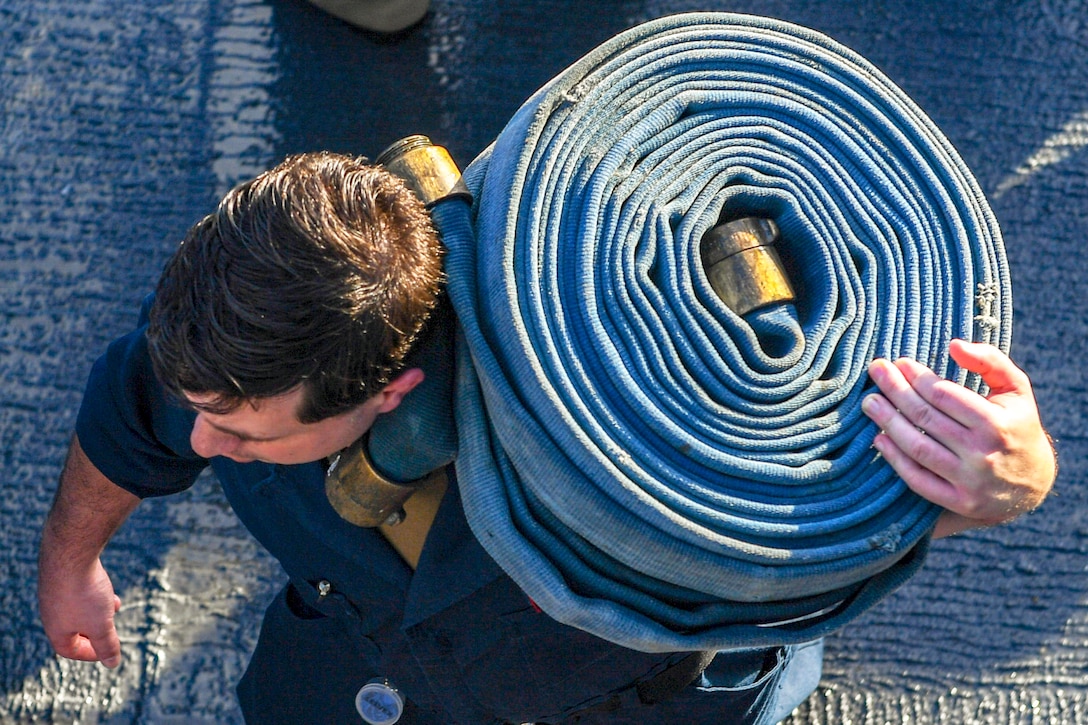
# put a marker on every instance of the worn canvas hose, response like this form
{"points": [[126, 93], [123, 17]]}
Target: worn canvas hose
{"points": [[646, 464]]}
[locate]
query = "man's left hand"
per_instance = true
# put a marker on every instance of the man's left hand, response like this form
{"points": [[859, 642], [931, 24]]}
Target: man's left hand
{"points": [[986, 460]]}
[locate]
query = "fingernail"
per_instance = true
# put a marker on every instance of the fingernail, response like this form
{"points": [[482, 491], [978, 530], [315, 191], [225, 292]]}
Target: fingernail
{"points": [[112, 662]]}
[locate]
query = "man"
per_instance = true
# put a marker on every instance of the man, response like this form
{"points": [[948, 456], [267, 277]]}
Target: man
{"points": [[278, 334]]}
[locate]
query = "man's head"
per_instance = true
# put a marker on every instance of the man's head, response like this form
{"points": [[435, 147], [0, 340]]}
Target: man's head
{"points": [[316, 276]]}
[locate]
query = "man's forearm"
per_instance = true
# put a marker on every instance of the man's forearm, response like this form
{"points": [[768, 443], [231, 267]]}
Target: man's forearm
{"points": [[75, 596], [950, 523], [87, 510]]}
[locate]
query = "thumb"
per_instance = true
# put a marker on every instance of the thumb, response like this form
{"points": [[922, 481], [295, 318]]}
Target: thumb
{"points": [[998, 372], [107, 645], [108, 649]]}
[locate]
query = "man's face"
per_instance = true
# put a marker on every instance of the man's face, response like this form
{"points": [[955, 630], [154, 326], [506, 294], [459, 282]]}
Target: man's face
{"points": [[268, 430]]}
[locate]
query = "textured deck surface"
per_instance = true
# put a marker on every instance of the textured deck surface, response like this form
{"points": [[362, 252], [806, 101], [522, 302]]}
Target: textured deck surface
{"points": [[122, 122]]}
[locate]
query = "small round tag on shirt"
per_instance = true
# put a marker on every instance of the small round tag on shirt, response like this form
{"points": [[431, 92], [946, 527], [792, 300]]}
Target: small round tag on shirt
{"points": [[379, 702]]}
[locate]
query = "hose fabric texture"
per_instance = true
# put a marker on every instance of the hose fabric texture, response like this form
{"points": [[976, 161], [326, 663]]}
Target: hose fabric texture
{"points": [[647, 465]]}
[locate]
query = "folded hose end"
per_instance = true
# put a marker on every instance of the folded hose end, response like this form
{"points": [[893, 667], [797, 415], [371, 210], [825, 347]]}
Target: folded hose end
{"points": [[428, 170], [742, 267]]}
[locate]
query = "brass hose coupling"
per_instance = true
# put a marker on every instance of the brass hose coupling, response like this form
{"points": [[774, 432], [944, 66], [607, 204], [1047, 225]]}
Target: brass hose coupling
{"points": [[742, 266], [360, 494], [355, 489], [428, 170]]}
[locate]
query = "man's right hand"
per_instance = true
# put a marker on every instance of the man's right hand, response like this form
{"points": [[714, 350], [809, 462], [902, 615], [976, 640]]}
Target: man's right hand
{"points": [[76, 600], [77, 613]]}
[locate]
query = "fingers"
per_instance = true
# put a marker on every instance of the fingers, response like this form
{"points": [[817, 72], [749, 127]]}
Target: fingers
{"points": [[921, 460], [108, 649], [105, 648], [921, 403], [925, 424], [919, 392], [76, 647], [918, 477], [102, 646]]}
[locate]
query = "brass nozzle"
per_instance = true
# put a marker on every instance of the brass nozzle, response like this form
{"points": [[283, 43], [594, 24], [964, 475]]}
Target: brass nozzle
{"points": [[742, 266], [428, 170]]}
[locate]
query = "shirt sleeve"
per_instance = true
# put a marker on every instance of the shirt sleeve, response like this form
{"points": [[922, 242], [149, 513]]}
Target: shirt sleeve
{"points": [[130, 428]]}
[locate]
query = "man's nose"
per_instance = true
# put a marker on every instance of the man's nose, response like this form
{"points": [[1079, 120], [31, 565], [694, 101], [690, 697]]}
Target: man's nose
{"points": [[209, 442]]}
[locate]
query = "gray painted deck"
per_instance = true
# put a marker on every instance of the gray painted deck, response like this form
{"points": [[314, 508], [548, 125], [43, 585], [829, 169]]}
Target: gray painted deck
{"points": [[122, 122]]}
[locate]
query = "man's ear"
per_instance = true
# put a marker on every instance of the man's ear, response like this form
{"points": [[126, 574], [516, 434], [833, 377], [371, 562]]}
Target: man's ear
{"points": [[398, 387]]}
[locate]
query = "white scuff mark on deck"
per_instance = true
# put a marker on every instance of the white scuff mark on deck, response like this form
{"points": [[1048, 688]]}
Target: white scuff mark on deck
{"points": [[1070, 140], [239, 105]]}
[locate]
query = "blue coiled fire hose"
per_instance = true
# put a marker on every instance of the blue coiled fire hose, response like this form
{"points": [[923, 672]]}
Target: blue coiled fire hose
{"points": [[647, 464]]}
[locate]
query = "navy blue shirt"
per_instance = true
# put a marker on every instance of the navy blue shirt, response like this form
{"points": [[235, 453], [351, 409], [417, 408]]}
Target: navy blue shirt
{"points": [[456, 637]]}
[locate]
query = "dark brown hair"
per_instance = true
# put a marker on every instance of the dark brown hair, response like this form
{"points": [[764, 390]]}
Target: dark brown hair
{"points": [[320, 272]]}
